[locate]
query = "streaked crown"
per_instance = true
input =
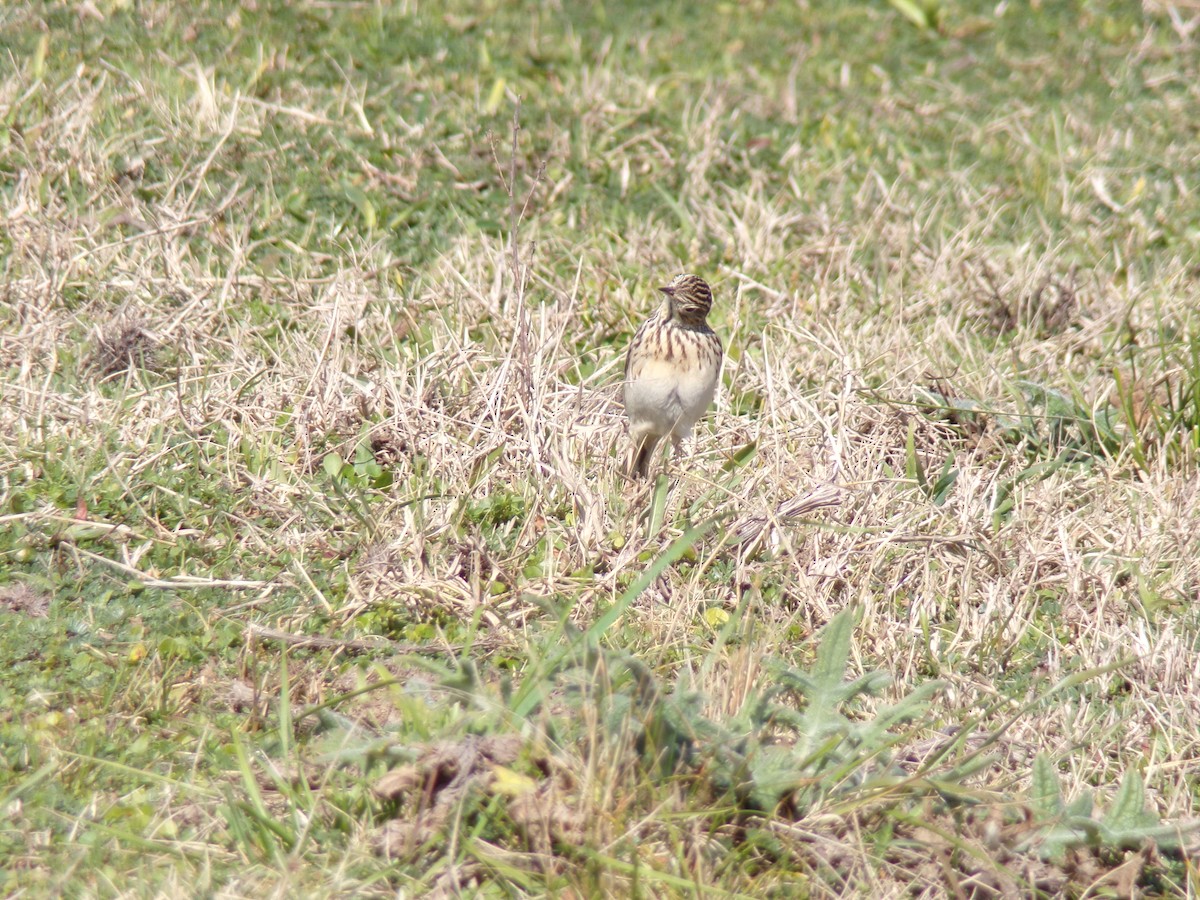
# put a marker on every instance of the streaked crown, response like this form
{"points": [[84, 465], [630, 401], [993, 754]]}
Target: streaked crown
{"points": [[691, 297]]}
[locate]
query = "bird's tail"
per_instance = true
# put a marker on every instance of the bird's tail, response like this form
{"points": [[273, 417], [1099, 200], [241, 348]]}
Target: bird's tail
{"points": [[643, 452]]}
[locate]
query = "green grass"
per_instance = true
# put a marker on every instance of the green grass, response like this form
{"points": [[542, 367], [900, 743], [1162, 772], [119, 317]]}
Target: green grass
{"points": [[318, 574]]}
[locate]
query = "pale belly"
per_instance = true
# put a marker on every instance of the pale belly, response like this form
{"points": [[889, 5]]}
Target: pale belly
{"points": [[662, 400]]}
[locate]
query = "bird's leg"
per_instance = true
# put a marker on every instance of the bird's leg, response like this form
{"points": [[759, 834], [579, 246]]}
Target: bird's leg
{"points": [[676, 459]]}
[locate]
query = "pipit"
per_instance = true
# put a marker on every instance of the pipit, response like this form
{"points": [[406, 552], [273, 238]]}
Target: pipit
{"points": [[671, 370]]}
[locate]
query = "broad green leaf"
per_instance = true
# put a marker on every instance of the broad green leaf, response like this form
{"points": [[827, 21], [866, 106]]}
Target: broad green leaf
{"points": [[1045, 791]]}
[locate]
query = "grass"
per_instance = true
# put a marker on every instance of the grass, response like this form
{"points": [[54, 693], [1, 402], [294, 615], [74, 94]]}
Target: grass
{"points": [[318, 574]]}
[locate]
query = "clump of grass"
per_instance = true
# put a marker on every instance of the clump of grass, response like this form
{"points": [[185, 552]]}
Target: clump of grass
{"points": [[591, 749], [121, 346]]}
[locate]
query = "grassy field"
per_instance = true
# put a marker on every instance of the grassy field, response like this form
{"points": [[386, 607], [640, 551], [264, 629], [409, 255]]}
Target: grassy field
{"points": [[319, 574]]}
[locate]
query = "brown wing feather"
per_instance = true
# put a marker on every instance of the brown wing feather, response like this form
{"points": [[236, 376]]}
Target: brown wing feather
{"points": [[642, 455]]}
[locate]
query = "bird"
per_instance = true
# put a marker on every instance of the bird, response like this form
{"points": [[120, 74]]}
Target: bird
{"points": [[671, 370]]}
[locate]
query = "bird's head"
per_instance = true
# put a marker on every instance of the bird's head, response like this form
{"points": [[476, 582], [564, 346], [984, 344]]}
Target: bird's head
{"points": [[690, 297]]}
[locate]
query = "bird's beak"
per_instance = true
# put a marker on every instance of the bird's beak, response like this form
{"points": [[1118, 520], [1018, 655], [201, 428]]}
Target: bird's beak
{"points": [[668, 290]]}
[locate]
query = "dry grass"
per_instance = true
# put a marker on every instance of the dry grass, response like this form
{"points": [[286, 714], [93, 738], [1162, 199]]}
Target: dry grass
{"points": [[217, 418]]}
